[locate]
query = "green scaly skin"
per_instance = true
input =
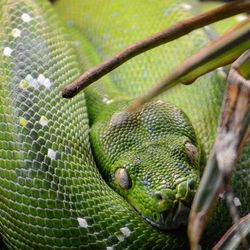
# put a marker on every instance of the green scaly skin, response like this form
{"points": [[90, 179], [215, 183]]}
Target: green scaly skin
{"points": [[51, 194], [159, 173], [139, 143]]}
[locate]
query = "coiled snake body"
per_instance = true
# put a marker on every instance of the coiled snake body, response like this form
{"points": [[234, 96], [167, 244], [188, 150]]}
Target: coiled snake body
{"points": [[51, 194]]}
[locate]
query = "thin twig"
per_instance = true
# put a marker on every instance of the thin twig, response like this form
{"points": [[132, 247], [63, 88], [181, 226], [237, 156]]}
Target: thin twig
{"points": [[229, 235], [203, 61], [234, 211], [177, 30]]}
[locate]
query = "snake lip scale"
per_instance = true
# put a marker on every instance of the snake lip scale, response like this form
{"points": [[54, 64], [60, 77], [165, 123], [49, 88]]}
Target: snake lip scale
{"points": [[173, 220]]}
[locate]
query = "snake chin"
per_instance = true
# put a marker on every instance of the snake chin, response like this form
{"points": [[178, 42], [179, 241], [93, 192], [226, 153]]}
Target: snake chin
{"points": [[171, 220]]}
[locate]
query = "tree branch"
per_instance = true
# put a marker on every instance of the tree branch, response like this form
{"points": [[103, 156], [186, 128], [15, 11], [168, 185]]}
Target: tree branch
{"points": [[175, 31]]}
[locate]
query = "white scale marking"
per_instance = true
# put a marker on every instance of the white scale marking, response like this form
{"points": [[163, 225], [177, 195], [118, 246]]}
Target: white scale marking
{"points": [[43, 121], [120, 237], [47, 83], [41, 78], [7, 51], [26, 17], [125, 231], [44, 81], [16, 33], [29, 78], [33, 82], [51, 154], [82, 222]]}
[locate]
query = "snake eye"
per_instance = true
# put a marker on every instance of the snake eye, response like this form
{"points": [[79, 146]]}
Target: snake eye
{"points": [[191, 152], [122, 178]]}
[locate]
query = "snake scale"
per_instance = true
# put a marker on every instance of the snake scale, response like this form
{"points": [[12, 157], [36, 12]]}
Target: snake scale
{"points": [[51, 194]]}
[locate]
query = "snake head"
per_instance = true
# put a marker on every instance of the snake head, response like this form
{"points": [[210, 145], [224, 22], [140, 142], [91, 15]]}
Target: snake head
{"points": [[151, 157]]}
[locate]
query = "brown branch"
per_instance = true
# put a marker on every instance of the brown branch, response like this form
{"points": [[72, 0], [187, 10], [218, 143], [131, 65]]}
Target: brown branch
{"points": [[234, 212], [230, 232], [234, 125], [175, 31], [205, 60]]}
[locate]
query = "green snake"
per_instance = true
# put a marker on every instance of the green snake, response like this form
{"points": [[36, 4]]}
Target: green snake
{"points": [[51, 194]]}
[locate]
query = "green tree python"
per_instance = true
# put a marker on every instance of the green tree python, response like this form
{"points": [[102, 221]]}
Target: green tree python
{"points": [[51, 194]]}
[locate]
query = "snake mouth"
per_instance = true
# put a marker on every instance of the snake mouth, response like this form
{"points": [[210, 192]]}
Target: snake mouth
{"points": [[171, 220]]}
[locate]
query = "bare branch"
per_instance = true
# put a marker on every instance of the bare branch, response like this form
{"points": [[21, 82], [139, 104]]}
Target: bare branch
{"points": [[177, 30], [222, 51], [229, 239], [234, 127]]}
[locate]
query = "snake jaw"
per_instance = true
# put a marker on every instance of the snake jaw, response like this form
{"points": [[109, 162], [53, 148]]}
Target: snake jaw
{"points": [[177, 208], [170, 220], [181, 215]]}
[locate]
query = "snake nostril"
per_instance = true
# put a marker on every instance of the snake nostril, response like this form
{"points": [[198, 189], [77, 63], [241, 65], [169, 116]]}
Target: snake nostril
{"points": [[159, 196], [165, 199]]}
